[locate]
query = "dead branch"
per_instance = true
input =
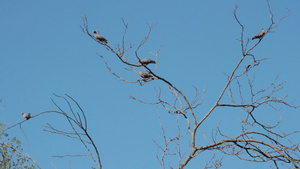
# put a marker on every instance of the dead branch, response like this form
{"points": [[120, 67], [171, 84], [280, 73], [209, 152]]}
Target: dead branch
{"points": [[75, 122]]}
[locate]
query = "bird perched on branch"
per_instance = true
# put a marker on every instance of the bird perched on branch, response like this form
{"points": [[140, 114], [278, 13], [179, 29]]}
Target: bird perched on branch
{"points": [[144, 74], [99, 37], [247, 67], [260, 35], [26, 116], [147, 61]]}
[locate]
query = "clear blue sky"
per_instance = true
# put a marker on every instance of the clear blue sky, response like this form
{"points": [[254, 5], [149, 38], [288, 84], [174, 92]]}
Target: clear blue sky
{"points": [[43, 51]]}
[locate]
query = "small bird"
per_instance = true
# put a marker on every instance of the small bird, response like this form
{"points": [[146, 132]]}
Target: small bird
{"points": [[247, 67], [99, 37], [147, 61], [144, 74], [178, 112], [260, 35], [26, 116]]}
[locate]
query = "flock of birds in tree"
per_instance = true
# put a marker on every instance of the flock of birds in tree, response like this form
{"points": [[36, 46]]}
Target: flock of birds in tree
{"points": [[100, 38], [144, 62]]}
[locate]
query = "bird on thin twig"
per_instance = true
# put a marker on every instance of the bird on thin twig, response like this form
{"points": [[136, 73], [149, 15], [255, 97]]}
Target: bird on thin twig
{"points": [[247, 67], [99, 37], [144, 74], [26, 115], [260, 35], [147, 61], [177, 112]]}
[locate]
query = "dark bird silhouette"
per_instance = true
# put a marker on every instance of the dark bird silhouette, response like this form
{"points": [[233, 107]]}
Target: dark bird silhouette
{"points": [[144, 74], [99, 37], [260, 35], [26, 115], [147, 61]]}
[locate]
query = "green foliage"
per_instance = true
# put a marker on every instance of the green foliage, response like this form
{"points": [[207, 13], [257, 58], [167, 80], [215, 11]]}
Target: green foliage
{"points": [[9, 157]]}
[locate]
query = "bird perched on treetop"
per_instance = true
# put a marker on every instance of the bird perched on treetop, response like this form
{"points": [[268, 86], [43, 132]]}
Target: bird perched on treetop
{"points": [[99, 37], [26, 116], [147, 61], [260, 35], [144, 74]]}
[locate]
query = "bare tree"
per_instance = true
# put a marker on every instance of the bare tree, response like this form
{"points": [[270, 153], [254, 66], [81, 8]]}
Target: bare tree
{"points": [[75, 117], [257, 141], [78, 123]]}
